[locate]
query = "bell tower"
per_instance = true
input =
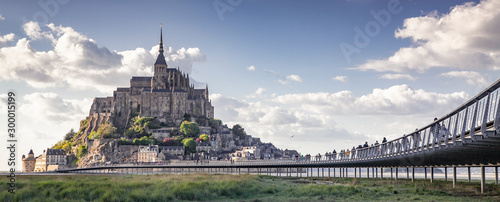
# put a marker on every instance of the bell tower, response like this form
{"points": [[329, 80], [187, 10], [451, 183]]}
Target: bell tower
{"points": [[159, 80]]}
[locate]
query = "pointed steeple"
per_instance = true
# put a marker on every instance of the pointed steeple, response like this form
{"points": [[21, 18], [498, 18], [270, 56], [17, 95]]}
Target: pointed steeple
{"points": [[161, 38], [161, 59]]}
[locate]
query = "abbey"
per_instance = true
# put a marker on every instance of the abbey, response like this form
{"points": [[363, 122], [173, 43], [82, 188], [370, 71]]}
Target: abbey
{"points": [[167, 95]]}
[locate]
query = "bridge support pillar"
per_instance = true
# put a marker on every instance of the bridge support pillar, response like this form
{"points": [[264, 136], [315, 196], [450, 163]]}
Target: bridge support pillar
{"points": [[407, 173], [359, 172], [483, 180], [454, 176], [329, 172], [373, 173], [333, 172], [391, 174], [412, 174], [425, 171], [468, 173], [355, 175], [317, 170], [368, 173], [381, 173], [346, 172], [496, 175], [397, 173], [432, 174]]}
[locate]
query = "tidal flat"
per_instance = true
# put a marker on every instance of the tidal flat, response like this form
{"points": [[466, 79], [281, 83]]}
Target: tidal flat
{"points": [[221, 187]]}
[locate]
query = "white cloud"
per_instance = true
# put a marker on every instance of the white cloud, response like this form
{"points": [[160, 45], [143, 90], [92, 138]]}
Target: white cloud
{"points": [[43, 119], [289, 78], [398, 76], [257, 94], [471, 77], [319, 120], [1, 17], [78, 62], [294, 77], [7, 37], [342, 79], [251, 68], [396, 100], [466, 38], [274, 123]]}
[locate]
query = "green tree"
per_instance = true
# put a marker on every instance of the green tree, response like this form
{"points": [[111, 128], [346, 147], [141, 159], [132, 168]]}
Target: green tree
{"points": [[190, 145], [70, 134], [81, 151], [144, 140], [204, 137], [94, 135], [190, 129], [106, 130], [239, 131], [215, 123]]}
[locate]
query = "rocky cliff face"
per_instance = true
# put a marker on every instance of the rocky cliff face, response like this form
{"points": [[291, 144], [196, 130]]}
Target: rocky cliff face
{"points": [[102, 151]]}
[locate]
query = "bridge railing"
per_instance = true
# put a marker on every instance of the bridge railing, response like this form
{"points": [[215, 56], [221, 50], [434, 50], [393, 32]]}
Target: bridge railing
{"points": [[467, 123]]}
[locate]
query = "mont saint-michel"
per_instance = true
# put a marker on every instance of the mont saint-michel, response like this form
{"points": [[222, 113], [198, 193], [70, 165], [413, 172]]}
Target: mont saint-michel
{"points": [[157, 119], [167, 96]]}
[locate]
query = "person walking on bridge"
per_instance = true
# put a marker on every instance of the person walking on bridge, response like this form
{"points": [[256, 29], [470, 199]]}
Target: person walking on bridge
{"points": [[436, 129]]}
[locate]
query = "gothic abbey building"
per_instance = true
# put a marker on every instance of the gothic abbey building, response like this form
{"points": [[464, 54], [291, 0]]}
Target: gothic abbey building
{"points": [[167, 95]]}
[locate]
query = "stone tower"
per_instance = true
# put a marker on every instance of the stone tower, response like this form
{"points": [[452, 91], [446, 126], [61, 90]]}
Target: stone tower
{"points": [[29, 162]]}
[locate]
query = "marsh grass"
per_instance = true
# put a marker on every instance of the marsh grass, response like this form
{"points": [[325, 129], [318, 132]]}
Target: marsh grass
{"points": [[201, 187]]}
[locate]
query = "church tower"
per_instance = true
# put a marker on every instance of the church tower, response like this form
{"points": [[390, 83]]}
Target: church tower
{"points": [[159, 80]]}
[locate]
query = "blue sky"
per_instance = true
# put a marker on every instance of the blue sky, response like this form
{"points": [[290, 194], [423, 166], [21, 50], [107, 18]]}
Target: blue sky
{"points": [[424, 60]]}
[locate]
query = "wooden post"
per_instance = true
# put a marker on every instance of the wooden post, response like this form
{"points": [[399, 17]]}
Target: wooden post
{"points": [[483, 180], [468, 173], [454, 176], [496, 175], [412, 174], [407, 173], [432, 174], [397, 172], [425, 171]]}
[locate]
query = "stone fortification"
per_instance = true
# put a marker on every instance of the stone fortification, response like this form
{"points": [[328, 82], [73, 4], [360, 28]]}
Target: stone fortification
{"points": [[168, 95]]}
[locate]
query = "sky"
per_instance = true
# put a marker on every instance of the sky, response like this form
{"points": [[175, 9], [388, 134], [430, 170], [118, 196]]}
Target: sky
{"points": [[307, 75]]}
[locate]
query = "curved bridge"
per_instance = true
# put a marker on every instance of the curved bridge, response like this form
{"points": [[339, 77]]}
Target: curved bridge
{"points": [[467, 136]]}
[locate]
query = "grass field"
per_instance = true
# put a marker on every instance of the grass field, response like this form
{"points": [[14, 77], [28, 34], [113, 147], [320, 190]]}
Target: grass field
{"points": [[215, 187]]}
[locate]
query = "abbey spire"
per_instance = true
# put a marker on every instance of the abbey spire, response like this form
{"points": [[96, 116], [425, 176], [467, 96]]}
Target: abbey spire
{"points": [[161, 58]]}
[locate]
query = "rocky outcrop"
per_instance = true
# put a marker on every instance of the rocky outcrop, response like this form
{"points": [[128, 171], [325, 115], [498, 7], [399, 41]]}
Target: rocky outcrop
{"points": [[102, 151]]}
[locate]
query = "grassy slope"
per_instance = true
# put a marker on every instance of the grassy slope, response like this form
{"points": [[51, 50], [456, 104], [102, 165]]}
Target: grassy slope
{"points": [[233, 187]]}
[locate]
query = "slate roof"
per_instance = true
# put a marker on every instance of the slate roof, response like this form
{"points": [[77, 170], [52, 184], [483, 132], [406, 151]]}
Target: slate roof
{"points": [[160, 59], [55, 152], [141, 78]]}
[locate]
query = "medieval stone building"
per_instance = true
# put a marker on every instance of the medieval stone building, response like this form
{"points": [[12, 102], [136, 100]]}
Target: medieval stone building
{"points": [[167, 95]]}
